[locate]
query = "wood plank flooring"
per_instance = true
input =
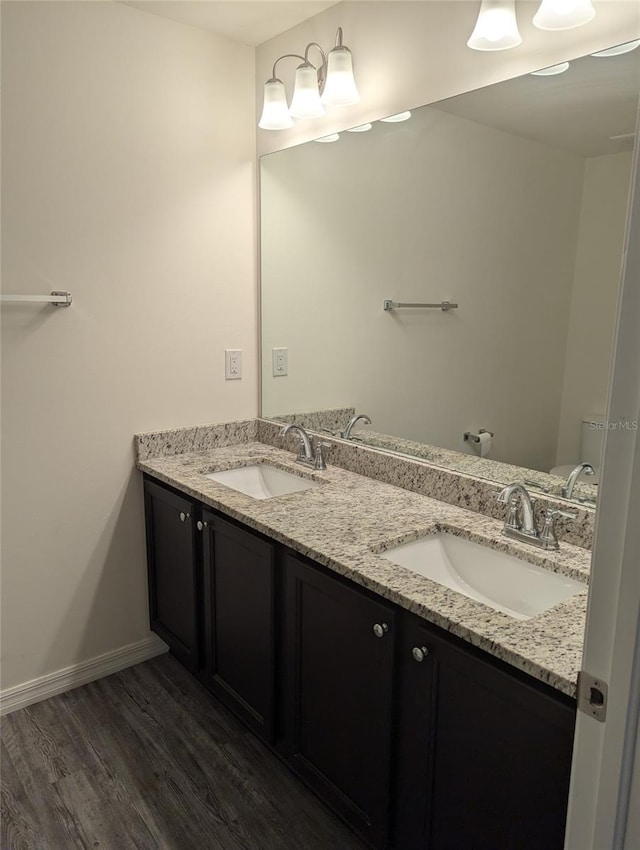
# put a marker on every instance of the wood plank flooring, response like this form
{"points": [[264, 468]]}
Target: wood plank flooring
{"points": [[146, 759]]}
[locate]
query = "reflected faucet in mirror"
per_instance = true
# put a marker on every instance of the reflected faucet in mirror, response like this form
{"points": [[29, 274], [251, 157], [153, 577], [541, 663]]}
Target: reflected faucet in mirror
{"points": [[576, 472], [346, 434]]}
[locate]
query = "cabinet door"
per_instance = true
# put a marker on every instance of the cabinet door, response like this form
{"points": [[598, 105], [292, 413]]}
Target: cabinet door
{"points": [[340, 675], [239, 621], [172, 570], [484, 756]]}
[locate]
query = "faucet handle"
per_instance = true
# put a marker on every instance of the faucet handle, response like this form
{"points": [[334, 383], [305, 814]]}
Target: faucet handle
{"points": [[548, 536], [320, 462], [551, 513], [512, 520]]}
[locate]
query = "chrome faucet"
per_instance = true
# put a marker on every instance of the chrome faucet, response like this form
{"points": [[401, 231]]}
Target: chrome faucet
{"points": [[510, 496], [567, 490], [346, 434], [525, 529], [308, 454]]}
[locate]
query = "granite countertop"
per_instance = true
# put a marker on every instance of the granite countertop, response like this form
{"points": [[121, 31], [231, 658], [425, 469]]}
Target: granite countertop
{"points": [[348, 520]]}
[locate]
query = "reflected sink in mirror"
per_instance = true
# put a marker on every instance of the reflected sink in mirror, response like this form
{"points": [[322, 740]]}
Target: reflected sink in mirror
{"points": [[501, 581], [261, 481]]}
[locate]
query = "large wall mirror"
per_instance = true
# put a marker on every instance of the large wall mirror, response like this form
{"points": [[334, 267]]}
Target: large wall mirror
{"points": [[509, 201]]}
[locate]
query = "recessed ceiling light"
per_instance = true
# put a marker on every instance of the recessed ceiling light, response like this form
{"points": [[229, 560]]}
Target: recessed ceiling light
{"points": [[362, 128], [551, 71], [619, 49], [401, 116], [332, 137]]}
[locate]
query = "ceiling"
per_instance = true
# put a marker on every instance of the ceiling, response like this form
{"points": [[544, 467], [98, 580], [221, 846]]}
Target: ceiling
{"points": [[246, 21], [577, 111]]}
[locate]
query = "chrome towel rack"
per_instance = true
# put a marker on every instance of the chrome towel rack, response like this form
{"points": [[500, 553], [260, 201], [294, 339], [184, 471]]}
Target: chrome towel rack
{"points": [[56, 299], [389, 305]]}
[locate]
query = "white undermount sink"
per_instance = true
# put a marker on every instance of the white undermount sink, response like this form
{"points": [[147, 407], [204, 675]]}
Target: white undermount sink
{"points": [[501, 581], [261, 481]]}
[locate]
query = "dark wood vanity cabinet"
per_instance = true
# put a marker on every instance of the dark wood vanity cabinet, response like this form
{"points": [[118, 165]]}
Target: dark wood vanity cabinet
{"points": [[173, 571], [417, 739], [483, 754], [211, 599], [339, 667], [239, 636]]}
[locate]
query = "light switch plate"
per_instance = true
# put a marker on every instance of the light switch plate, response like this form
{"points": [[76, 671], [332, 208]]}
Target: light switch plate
{"points": [[233, 364], [280, 361]]}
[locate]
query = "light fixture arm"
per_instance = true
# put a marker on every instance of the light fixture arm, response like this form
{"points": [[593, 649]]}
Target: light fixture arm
{"points": [[322, 68], [285, 56]]}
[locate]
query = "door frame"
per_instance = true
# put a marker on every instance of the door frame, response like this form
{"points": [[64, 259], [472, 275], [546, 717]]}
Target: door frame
{"points": [[606, 763]]}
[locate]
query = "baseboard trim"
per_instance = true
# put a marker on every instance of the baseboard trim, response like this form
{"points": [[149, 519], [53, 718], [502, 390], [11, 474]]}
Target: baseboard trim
{"points": [[51, 684]]}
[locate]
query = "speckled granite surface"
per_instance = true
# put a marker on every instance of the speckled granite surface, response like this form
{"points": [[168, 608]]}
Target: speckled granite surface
{"points": [[429, 479], [176, 441], [320, 420], [456, 461], [349, 518]]}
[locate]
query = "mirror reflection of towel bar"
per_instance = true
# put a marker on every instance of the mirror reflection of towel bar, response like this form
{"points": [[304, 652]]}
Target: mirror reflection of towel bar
{"points": [[389, 305], [58, 299]]}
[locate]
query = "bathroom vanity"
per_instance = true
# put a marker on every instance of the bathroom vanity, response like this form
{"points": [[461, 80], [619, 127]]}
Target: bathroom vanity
{"points": [[423, 718]]}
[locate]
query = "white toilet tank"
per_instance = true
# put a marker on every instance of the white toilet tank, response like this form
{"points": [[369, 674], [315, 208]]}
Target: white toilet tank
{"points": [[591, 440]]}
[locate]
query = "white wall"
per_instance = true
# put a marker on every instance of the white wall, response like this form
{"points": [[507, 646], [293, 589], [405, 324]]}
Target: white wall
{"points": [[128, 178], [410, 53], [437, 208], [595, 296]]}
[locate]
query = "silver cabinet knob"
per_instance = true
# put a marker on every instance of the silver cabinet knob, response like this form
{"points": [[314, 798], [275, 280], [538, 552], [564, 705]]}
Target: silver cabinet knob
{"points": [[200, 525], [184, 516], [419, 653], [380, 630]]}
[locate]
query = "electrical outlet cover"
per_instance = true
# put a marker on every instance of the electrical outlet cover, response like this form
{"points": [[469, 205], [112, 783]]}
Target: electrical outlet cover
{"points": [[280, 362], [233, 364]]}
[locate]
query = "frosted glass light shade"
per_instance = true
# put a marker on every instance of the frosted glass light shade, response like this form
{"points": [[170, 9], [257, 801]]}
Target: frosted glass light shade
{"points": [[619, 49], [496, 27], [305, 102], [332, 137], [340, 88], [563, 14], [275, 112]]}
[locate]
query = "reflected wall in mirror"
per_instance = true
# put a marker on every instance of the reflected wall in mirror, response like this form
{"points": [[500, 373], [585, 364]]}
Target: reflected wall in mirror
{"points": [[510, 201]]}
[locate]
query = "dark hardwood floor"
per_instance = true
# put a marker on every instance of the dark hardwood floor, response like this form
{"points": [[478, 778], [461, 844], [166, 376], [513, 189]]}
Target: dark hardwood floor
{"points": [[144, 759]]}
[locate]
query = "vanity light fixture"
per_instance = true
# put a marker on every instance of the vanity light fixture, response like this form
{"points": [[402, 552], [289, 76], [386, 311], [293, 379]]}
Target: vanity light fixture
{"points": [[563, 14], [329, 83], [361, 128], [619, 49], [496, 27], [552, 70], [395, 119]]}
